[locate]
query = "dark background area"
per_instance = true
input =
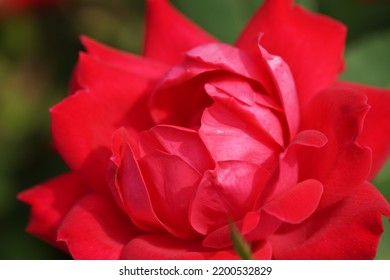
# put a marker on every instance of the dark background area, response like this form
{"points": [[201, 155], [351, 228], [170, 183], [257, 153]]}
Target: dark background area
{"points": [[39, 47]]}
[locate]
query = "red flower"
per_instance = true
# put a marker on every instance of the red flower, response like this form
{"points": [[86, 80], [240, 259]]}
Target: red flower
{"points": [[165, 150]]}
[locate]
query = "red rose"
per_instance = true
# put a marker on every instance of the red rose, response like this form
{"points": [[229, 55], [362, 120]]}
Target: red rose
{"points": [[167, 149]]}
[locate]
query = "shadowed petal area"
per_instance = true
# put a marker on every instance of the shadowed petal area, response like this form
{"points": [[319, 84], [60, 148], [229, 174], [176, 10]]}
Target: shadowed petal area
{"points": [[339, 113], [299, 37], [323, 236], [83, 123], [172, 183], [95, 228], [50, 202], [169, 34], [376, 130], [129, 187]]}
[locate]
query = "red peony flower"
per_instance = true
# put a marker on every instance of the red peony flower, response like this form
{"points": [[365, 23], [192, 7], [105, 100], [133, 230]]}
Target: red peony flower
{"points": [[168, 149]]}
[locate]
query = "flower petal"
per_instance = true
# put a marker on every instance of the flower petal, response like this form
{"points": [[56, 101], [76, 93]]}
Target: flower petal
{"points": [[299, 37], [162, 247], [221, 237], [226, 193], [134, 64], [235, 131], [285, 90], [342, 164], [95, 228], [376, 130], [172, 183], [50, 203], [129, 187], [348, 230], [83, 123], [297, 203], [182, 142], [169, 34], [231, 59], [285, 175], [180, 97]]}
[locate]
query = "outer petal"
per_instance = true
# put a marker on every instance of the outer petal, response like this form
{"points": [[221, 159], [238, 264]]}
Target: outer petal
{"points": [[348, 230], [299, 37], [160, 247], [83, 123], [342, 164], [96, 229], [137, 65], [50, 203], [129, 187], [376, 130], [169, 34]]}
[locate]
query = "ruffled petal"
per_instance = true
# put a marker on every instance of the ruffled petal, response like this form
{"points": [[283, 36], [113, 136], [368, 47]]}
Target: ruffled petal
{"points": [[376, 130], [182, 142], [342, 164], [96, 229], [180, 97], [348, 230], [50, 203], [232, 130], [299, 37], [169, 34], [83, 123], [226, 194]]}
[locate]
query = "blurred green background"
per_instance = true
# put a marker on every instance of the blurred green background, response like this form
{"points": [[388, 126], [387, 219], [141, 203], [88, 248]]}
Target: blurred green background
{"points": [[39, 47]]}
